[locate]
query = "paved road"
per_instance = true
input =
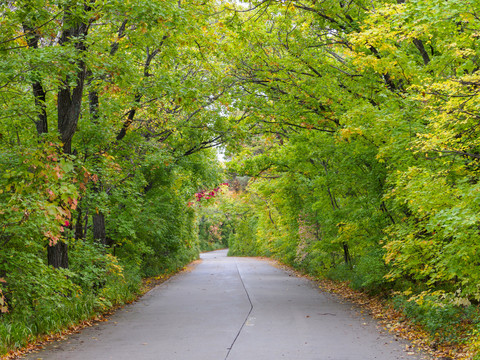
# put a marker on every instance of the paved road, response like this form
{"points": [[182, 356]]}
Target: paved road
{"points": [[232, 309]]}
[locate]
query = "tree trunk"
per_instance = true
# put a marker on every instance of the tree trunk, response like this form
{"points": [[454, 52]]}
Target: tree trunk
{"points": [[69, 102], [39, 93], [346, 255], [40, 98], [69, 105], [58, 255], [79, 225], [99, 233]]}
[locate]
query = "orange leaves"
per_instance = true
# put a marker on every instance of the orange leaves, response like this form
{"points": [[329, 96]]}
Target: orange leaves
{"points": [[111, 89], [52, 238], [73, 203], [58, 172], [3, 303], [87, 176]]}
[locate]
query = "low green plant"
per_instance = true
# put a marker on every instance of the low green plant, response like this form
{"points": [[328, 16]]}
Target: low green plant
{"points": [[446, 318]]}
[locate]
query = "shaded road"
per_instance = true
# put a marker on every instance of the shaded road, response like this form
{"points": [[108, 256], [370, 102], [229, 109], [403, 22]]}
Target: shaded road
{"points": [[232, 309]]}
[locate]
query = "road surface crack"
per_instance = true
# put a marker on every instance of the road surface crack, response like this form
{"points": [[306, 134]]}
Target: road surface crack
{"points": [[246, 318]]}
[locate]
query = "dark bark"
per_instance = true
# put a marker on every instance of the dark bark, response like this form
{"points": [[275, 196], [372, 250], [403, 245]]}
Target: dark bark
{"points": [[202, 145], [69, 102], [121, 34], [99, 233], [70, 97], [346, 255], [58, 255], [94, 104], [386, 77], [138, 96], [333, 201], [40, 97], [39, 92], [129, 121], [384, 209], [346, 252], [69, 106], [79, 225], [85, 226], [419, 45]]}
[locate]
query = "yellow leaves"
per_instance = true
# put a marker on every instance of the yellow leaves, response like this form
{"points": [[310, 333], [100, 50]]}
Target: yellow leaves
{"points": [[467, 17], [3, 303], [114, 267], [461, 301], [305, 25], [475, 35], [465, 53], [21, 41], [347, 231], [347, 134]]}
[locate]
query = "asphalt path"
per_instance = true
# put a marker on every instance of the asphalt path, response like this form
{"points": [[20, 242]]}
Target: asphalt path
{"points": [[230, 308]]}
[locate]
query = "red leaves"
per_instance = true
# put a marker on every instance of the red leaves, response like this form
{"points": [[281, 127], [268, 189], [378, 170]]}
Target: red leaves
{"points": [[52, 238], [208, 194], [51, 195]]}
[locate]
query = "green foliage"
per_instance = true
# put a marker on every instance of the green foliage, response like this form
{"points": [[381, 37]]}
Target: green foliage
{"points": [[440, 314], [214, 230], [244, 242], [38, 192], [43, 300], [40, 299]]}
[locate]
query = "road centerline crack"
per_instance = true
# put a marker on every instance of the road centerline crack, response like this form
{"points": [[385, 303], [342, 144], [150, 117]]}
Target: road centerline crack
{"points": [[246, 317]]}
